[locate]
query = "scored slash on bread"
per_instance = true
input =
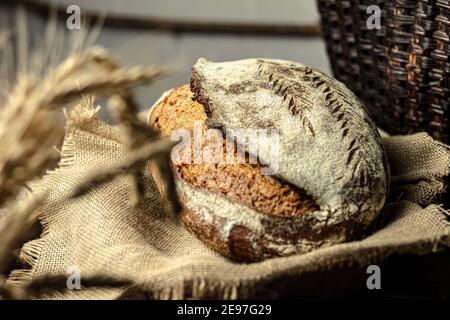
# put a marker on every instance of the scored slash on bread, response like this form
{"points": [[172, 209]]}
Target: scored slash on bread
{"points": [[243, 183], [333, 177]]}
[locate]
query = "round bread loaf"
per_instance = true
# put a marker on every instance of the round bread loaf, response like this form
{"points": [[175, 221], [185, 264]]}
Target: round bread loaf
{"points": [[327, 185]]}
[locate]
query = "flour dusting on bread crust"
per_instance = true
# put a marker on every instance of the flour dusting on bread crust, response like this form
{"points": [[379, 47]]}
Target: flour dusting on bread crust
{"points": [[330, 152], [330, 146]]}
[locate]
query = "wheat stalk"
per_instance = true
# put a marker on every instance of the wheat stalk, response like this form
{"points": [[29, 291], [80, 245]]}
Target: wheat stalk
{"points": [[10, 292], [32, 102], [31, 125], [18, 227], [134, 160], [4, 36]]}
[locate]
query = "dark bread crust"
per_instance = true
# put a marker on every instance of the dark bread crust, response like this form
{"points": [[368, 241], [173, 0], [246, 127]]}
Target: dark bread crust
{"points": [[239, 246], [206, 232], [281, 236], [244, 182], [244, 215]]}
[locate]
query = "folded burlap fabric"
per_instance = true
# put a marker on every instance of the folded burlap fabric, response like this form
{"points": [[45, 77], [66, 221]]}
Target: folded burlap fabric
{"points": [[106, 238]]}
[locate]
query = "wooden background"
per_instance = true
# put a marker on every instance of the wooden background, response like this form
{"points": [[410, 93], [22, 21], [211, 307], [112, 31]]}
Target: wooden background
{"points": [[177, 32], [187, 30]]}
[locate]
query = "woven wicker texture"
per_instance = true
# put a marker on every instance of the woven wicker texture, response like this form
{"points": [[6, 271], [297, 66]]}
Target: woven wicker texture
{"points": [[401, 70]]}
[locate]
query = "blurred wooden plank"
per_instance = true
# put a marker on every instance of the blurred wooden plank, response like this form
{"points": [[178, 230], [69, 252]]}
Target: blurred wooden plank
{"points": [[236, 16], [181, 50], [292, 12]]}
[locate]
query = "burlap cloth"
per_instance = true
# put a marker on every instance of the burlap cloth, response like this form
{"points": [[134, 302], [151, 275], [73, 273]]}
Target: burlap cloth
{"points": [[104, 237]]}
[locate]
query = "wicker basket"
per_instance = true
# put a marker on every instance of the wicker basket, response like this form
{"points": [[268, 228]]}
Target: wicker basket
{"points": [[401, 71]]}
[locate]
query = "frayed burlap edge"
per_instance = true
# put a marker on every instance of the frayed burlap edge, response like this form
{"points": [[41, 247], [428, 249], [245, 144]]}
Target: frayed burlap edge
{"points": [[207, 287], [30, 252]]}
